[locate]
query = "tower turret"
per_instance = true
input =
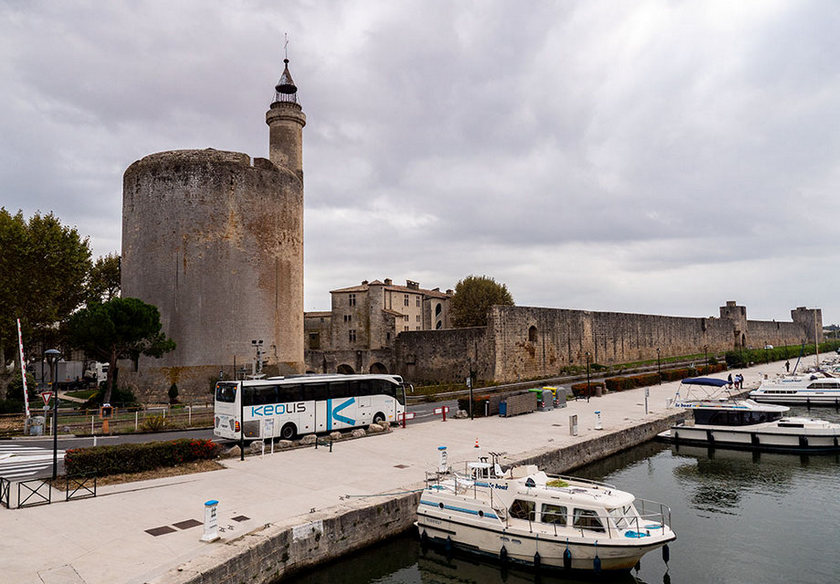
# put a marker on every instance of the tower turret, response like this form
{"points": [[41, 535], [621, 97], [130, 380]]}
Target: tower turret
{"points": [[286, 120]]}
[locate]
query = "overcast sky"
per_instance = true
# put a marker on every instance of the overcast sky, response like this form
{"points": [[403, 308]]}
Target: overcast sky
{"points": [[656, 157]]}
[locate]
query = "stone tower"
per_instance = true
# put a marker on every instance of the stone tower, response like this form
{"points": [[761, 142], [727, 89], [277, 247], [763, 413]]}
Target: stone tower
{"points": [[215, 241]]}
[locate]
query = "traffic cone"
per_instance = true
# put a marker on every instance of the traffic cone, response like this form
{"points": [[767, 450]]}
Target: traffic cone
{"points": [[476, 443]]}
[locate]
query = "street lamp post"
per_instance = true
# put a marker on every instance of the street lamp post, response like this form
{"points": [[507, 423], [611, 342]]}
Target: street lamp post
{"points": [[258, 345], [242, 416], [588, 387], [705, 354], [659, 365], [52, 356]]}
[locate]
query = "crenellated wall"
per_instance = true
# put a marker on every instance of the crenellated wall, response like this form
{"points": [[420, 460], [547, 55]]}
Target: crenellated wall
{"points": [[522, 342]]}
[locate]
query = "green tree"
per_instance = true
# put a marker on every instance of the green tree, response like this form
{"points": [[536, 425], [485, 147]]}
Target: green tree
{"points": [[43, 269], [474, 295], [103, 281], [122, 328]]}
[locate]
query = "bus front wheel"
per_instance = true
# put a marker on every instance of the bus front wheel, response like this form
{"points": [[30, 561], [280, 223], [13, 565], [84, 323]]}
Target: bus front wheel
{"points": [[288, 432], [378, 418]]}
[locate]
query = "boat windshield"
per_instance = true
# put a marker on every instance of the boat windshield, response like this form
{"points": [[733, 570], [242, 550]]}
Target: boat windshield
{"points": [[622, 516], [734, 418]]}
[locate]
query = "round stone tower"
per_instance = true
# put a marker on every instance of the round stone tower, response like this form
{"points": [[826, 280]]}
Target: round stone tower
{"points": [[215, 241]]}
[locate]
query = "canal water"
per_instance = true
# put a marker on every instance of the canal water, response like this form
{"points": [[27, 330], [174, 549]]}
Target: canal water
{"points": [[740, 517]]}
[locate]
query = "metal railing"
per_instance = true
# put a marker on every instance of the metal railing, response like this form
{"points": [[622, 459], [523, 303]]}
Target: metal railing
{"points": [[81, 488], [5, 491], [34, 489]]}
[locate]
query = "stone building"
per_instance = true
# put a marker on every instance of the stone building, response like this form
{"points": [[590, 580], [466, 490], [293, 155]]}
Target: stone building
{"points": [[521, 342], [358, 334], [214, 239]]}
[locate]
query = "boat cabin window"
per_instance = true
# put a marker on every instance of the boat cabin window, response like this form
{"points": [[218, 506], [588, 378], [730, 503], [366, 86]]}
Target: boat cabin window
{"points": [[730, 418], [522, 509], [587, 519], [553, 514]]}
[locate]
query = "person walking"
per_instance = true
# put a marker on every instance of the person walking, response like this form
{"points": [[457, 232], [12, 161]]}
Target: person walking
{"points": [[787, 366], [729, 380]]}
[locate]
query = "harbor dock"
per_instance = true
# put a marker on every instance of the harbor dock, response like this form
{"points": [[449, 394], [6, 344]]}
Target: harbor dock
{"points": [[286, 511]]}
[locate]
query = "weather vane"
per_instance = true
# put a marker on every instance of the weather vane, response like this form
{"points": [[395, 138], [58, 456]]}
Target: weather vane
{"points": [[286, 45]]}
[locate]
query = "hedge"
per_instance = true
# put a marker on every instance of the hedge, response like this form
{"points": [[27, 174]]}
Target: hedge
{"points": [[580, 389], [744, 357], [129, 458], [643, 379]]}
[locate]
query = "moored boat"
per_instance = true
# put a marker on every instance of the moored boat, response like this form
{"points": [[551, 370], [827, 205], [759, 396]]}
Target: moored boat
{"points": [[525, 516], [808, 389], [722, 421]]}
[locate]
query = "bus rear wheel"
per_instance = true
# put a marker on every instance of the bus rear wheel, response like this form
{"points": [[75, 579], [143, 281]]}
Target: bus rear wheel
{"points": [[378, 418], [288, 432]]}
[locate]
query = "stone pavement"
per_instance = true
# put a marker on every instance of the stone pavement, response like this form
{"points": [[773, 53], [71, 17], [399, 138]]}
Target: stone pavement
{"points": [[106, 540]]}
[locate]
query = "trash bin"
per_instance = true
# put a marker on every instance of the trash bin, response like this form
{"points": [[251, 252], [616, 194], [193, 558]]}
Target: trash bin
{"points": [[503, 409], [599, 391]]}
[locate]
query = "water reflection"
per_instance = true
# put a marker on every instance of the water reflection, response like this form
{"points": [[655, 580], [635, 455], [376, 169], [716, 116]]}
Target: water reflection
{"points": [[720, 479]]}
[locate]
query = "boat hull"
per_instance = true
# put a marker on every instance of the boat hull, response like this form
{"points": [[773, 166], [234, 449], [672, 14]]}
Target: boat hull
{"points": [[532, 550], [754, 438], [798, 399]]}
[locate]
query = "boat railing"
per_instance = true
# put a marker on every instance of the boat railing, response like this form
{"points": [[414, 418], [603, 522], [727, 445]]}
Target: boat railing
{"points": [[652, 515], [570, 479]]}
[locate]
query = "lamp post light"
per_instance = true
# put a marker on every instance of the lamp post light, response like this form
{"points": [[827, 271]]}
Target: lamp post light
{"points": [[588, 387], [242, 415], [659, 364], [258, 345], [52, 356]]}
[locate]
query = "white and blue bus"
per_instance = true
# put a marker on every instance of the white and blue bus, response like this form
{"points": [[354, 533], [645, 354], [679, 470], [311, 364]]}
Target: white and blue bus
{"points": [[284, 407]]}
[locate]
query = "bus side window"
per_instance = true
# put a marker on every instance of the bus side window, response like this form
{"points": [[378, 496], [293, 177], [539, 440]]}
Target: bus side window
{"points": [[353, 388], [266, 394], [364, 387], [247, 396], [288, 393], [339, 389], [315, 391]]}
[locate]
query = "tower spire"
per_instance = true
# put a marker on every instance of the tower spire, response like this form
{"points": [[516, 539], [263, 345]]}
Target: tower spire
{"points": [[285, 90]]}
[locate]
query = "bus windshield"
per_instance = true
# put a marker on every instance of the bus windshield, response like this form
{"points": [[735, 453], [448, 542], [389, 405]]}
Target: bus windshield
{"points": [[226, 392]]}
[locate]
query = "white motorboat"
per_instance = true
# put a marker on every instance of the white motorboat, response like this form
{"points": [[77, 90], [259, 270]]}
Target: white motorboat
{"points": [[809, 389], [525, 516], [721, 421]]}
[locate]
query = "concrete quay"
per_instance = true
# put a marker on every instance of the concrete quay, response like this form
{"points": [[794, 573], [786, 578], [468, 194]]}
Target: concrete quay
{"points": [[297, 508]]}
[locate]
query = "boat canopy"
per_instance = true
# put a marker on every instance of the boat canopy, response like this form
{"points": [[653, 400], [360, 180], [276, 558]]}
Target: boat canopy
{"points": [[711, 381]]}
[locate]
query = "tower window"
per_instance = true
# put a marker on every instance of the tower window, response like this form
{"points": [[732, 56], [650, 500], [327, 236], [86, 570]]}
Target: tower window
{"points": [[352, 300], [417, 300], [348, 317], [532, 334], [405, 299], [314, 340], [352, 335]]}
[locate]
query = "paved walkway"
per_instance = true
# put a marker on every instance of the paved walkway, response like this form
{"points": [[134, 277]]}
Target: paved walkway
{"points": [[106, 540]]}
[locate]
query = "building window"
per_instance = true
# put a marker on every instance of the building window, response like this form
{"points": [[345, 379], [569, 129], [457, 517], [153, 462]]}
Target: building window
{"points": [[352, 300], [437, 310], [314, 340], [388, 337], [348, 317], [439, 325], [417, 300], [418, 318], [417, 328], [405, 317], [405, 299], [405, 328], [352, 335], [532, 334]]}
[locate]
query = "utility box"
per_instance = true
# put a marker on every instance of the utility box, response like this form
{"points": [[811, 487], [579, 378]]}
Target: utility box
{"points": [[573, 425]]}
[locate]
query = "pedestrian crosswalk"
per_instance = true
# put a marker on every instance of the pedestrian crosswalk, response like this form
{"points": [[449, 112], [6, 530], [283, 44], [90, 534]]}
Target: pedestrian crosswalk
{"points": [[19, 462]]}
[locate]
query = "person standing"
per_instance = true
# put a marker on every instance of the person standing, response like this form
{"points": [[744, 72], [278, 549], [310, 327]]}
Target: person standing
{"points": [[787, 366], [729, 380]]}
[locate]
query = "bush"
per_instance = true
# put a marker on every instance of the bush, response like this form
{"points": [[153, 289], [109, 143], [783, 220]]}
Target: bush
{"points": [[14, 392], [644, 379], [11, 406], [173, 394], [154, 424], [121, 397], [130, 458]]}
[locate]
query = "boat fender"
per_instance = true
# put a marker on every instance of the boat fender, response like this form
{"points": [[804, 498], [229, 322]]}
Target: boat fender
{"points": [[803, 442], [596, 563], [638, 565], [666, 579], [754, 439], [567, 557], [503, 555], [424, 539], [835, 442], [710, 437], [448, 545], [666, 553], [537, 560], [676, 436]]}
